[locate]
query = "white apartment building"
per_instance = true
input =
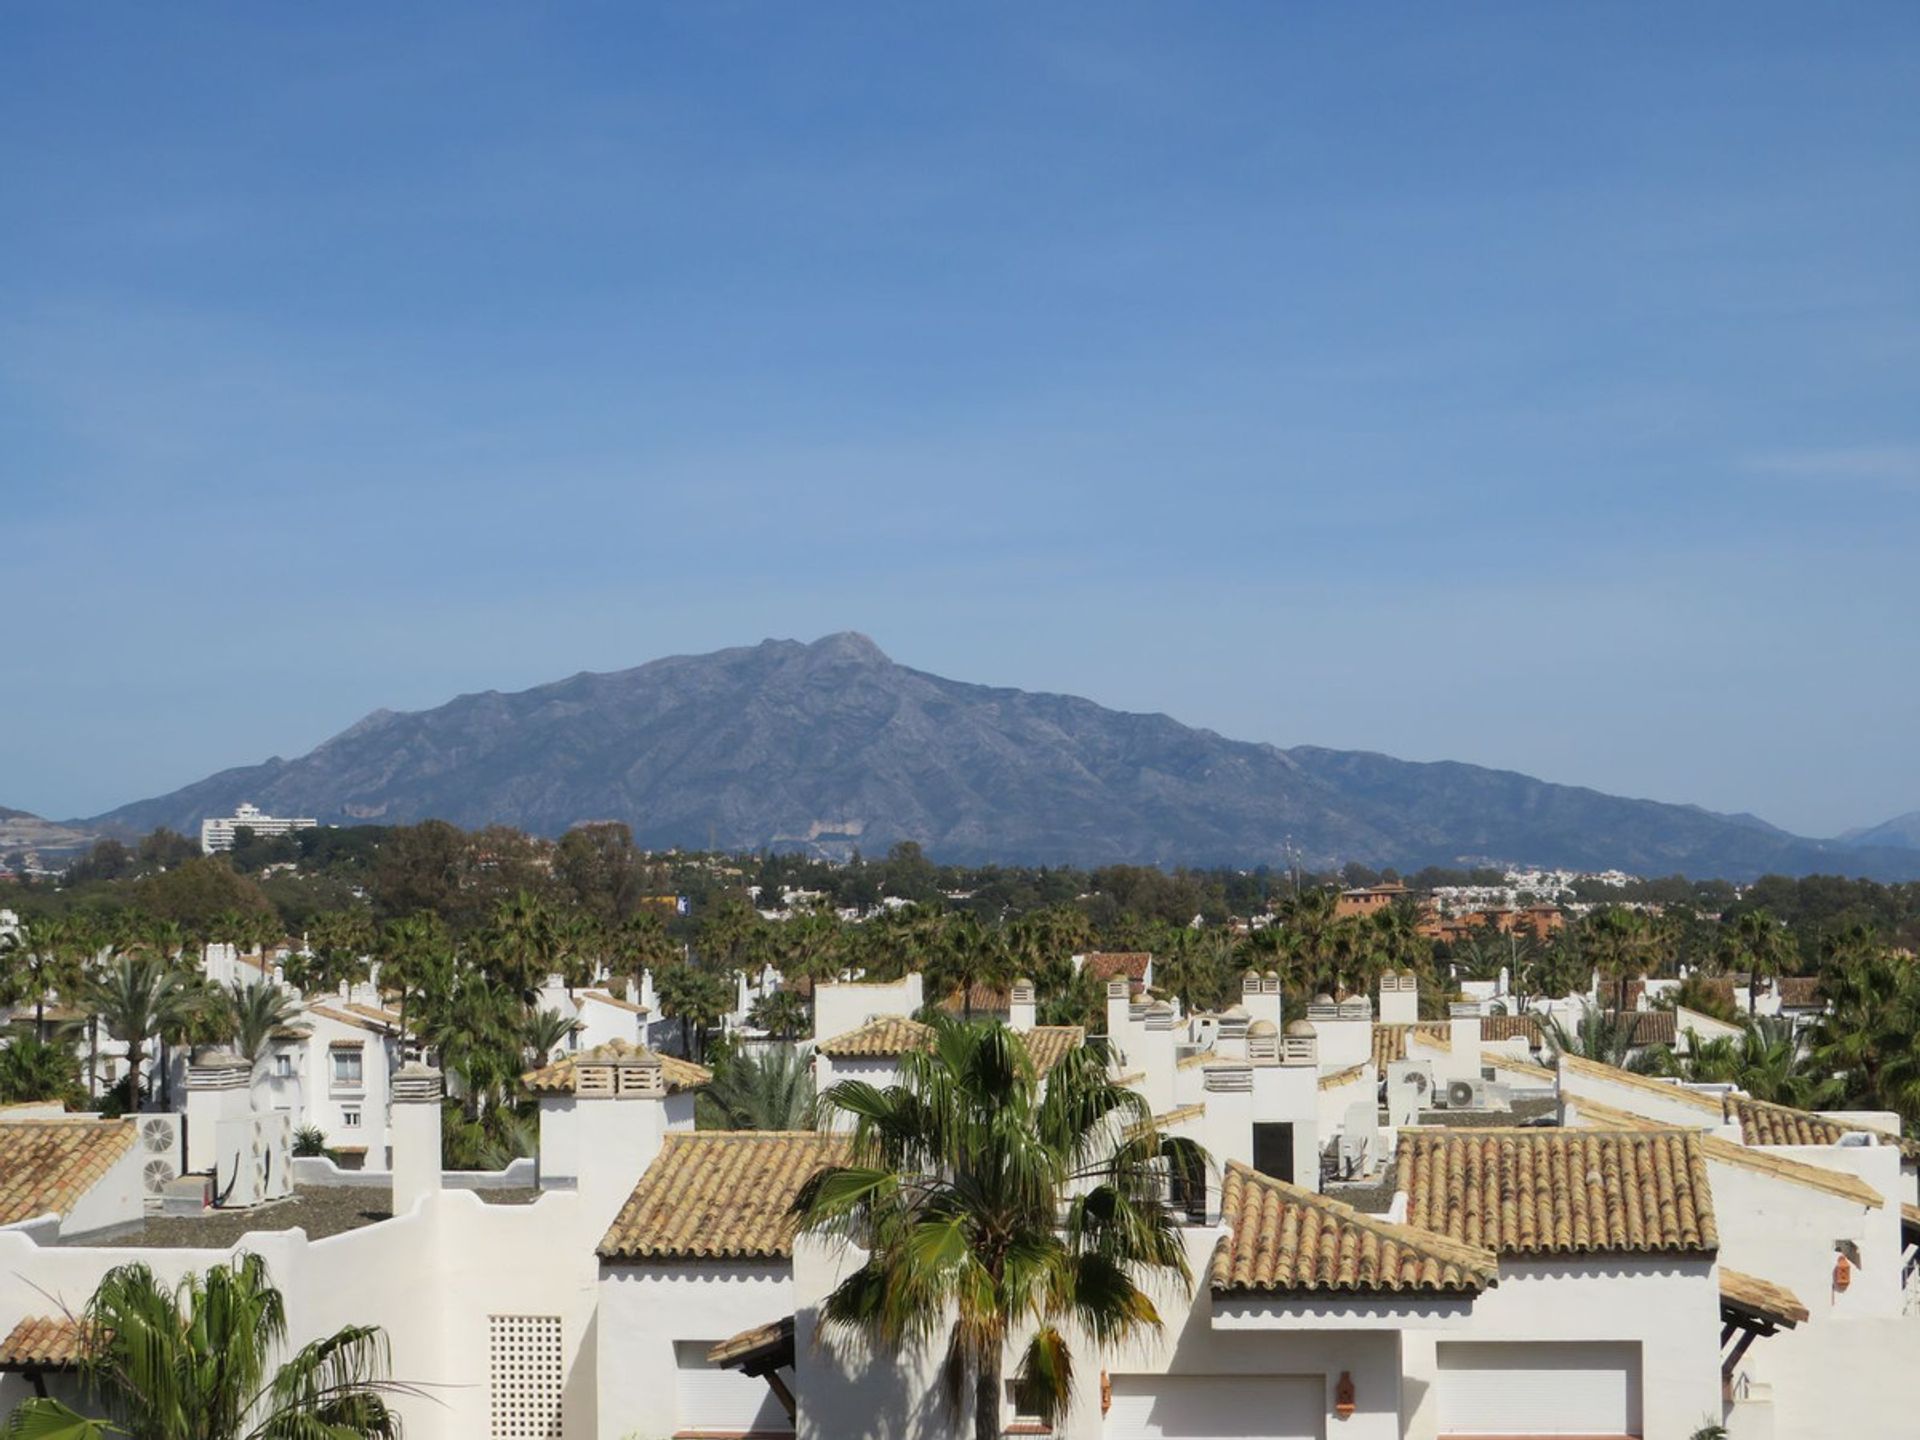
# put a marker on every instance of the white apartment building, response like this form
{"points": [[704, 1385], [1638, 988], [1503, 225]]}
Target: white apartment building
{"points": [[1519, 1246], [216, 833]]}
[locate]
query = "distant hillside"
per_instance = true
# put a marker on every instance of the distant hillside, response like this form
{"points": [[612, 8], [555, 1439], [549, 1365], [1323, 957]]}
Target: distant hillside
{"points": [[832, 745], [1902, 833]]}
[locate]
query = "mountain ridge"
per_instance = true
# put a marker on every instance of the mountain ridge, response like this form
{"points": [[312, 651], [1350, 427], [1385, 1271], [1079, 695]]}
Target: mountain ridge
{"points": [[830, 745]]}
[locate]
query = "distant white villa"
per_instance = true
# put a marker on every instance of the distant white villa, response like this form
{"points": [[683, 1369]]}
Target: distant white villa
{"points": [[217, 834]]}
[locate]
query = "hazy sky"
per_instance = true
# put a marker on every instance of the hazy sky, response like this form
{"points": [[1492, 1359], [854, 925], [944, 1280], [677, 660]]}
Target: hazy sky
{"points": [[1530, 385]]}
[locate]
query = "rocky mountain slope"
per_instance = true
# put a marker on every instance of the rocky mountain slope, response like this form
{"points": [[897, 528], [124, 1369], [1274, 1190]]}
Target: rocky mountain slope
{"points": [[832, 745]]}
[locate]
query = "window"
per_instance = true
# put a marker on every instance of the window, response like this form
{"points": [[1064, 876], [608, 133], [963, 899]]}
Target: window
{"points": [[283, 1065], [350, 1118], [525, 1377], [1273, 1150], [347, 1067]]}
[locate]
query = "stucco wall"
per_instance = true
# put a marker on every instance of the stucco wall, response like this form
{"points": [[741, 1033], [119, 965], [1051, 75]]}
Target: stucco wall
{"points": [[645, 1308]]}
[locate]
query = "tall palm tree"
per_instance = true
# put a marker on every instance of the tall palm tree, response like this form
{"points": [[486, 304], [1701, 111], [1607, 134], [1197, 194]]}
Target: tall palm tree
{"points": [[784, 1014], [137, 995], [255, 1009], [416, 959], [544, 1032], [197, 1362], [41, 958], [1765, 1060], [1758, 944], [521, 942], [987, 1201]]}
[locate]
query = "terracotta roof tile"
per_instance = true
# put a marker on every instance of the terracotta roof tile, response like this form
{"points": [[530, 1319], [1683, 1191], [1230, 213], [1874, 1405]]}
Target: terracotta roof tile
{"points": [[1284, 1239], [1337, 1078], [1390, 1041], [982, 998], [1727, 1152], [1520, 1067], [1109, 965], [882, 1038], [1536, 1192], [1764, 1123], [1763, 1297], [1510, 1027], [614, 1000], [1048, 1045], [556, 1078], [358, 1016], [42, 1342], [891, 1036], [720, 1194], [1614, 1075], [1650, 1027], [1179, 1115], [1198, 1057], [47, 1165]]}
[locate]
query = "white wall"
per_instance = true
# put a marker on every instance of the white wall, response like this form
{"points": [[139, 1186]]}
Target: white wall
{"points": [[644, 1309], [840, 1007]]}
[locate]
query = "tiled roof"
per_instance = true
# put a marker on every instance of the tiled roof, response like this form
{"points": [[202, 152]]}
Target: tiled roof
{"points": [[1537, 1192], [1107, 965], [1909, 1216], [556, 1078], [720, 1194], [1727, 1152], [1338, 1078], [1649, 1027], [605, 999], [1283, 1239], [358, 1016], [887, 1036], [979, 998], [1762, 1297], [1179, 1115], [1519, 1067], [1048, 1045], [891, 1036], [1509, 1027], [47, 1165], [42, 1342], [1764, 1123], [1198, 1057], [769, 1341], [1390, 1041], [1614, 1075]]}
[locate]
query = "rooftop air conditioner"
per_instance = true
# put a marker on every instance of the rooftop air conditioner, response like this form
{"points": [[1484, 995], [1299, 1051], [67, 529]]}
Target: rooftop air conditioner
{"points": [[1467, 1095], [159, 1139]]}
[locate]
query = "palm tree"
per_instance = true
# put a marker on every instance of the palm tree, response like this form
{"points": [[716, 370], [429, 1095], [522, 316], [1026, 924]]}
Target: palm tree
{"points": [[1765, 1060], [643, 944], [986, 1201], [196, 1362], [544, 1032], [768, 1090], [784, 1013], [1611, 1039], [1621, 945], [41, 958], [1870, 1035], [1758, 944], [521, 943], [698, 998], [34, 1069], [138, 994], [416, 959], [255, 1009]]}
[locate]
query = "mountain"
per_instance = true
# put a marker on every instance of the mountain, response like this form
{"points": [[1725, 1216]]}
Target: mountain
{"points": [[24, 835], [1900, 833], [832, 745]]}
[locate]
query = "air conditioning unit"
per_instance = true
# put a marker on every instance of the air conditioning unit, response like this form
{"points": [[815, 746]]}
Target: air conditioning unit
{"points": [[1466, 1095], [1410, 1089], [161, 1142], [254, 1160]]}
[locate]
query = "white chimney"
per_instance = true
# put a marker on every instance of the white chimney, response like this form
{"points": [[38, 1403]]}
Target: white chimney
{"points": [[219, 1087], [1399, 998], [1158, 1056], [416, 1134], [620, 1117], [1118, 1039], [1228, 1125], [1022, 1009], [1463, 1034], [1230, 1041]]}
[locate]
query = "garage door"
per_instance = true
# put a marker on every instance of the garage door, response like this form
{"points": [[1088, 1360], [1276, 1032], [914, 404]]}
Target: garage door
{"points": [[1217, 1407], [1539, 1388]]}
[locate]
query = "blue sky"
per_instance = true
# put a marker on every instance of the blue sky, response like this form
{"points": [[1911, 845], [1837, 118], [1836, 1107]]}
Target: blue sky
{"points": [[1531, 385]]}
